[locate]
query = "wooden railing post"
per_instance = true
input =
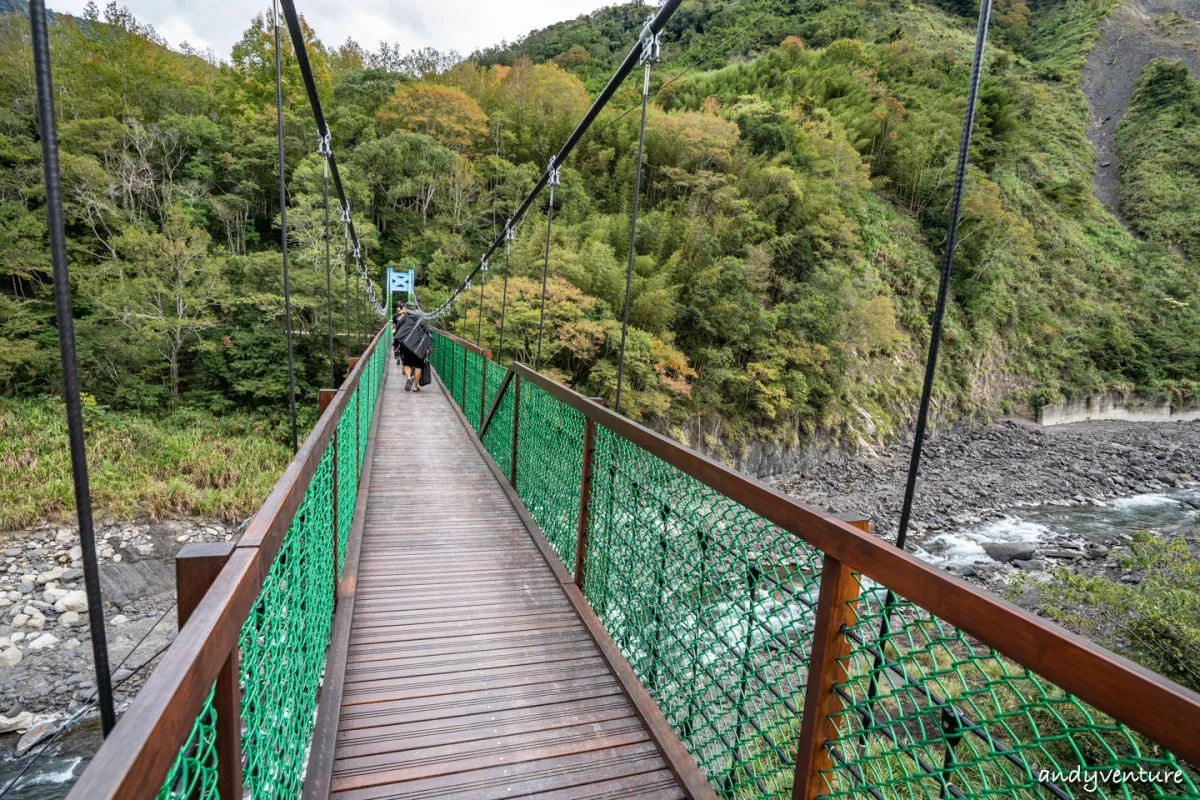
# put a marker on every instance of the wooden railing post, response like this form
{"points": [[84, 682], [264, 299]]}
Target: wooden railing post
{"points": [[324, 398], [835, 612], [196, 567], [512, 472], [585, 494]]}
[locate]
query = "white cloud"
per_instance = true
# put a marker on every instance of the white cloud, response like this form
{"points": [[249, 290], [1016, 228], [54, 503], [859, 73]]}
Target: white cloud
{"points": [[462, 25]]}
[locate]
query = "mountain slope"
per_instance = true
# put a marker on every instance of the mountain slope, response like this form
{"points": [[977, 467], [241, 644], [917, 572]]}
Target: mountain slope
{"points": [[1052, 296]]}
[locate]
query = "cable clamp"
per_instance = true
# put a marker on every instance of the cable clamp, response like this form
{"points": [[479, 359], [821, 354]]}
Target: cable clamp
{"points": [[554, 172], [324, 144], [346, 213], [651, 43], [467, 285], [510, 232], [357, 252]]}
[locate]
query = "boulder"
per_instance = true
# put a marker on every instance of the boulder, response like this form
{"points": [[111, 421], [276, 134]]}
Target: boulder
{"points": [[74, 601], [10, 656], [1005, 552], [44, 641], [50, 575], [10, 724], [35, 736], [1030, 565]]}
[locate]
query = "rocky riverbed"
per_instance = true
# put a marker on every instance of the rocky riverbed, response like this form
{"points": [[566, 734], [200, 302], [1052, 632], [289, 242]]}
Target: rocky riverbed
{"points": [[46, 667], [987, 496]]}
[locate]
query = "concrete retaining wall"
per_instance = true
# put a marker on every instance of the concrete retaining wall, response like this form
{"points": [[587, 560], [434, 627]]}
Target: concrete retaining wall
{"points": [[1113, 405]]}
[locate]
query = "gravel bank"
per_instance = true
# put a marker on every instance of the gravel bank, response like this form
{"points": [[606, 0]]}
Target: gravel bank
{"points": [[46, 667]]}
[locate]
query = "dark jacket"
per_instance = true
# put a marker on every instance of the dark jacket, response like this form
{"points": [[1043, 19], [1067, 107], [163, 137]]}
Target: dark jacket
{"points": [[402, 327], [417, 339]]}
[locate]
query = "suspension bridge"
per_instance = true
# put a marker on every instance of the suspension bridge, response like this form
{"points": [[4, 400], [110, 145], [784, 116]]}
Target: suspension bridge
{"points": [[501, 588]]}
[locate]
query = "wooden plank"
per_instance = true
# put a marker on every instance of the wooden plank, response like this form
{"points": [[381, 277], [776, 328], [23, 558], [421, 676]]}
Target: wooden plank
{"points": [[403, 691], [324, 743], [479, 702], [674, 752], [459, 757], [501, 721], [495, 782]]}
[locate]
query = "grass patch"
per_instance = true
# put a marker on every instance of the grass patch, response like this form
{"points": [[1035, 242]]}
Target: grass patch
{"points": [[1156, 621], [1158, 150], [185, 463]]}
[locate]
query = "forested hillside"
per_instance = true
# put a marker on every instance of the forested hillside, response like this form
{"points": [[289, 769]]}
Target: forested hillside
{"points": [[785, 267]]}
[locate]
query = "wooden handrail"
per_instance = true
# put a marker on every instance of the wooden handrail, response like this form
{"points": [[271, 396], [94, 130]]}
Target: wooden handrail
{"points": [[474, 348], [1133, 695], [135, 759]]}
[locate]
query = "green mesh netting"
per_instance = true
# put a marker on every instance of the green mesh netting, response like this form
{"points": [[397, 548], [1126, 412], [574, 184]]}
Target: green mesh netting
{"points": [[493, 378], [193, 776], [711, 605], [549, 463], [347, 439], [936, 713], [283, 641], [452, 372], [283, 647], [498, 438], [473, 388], [364, 420]]}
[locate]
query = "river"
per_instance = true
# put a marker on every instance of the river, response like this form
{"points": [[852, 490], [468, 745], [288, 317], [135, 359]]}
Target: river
{"points": [[1104, 522]]}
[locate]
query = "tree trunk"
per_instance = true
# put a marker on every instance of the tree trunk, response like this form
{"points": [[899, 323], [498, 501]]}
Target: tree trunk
{"points": [[174, 360]]}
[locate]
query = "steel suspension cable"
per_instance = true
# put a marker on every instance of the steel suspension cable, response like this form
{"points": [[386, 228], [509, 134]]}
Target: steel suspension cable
{"points": [[555, 177], [346, 262], [939, 312], [462, 320], [55, 226], [652, 28], [325, 150], [287, 294], [509, 234], [358, 333], [650, 53], [300, 49], [723, 45], [482, 284]]}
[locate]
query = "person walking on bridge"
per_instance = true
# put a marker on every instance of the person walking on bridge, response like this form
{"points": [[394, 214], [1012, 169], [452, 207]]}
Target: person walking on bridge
{"points": [[414, 342], [401, 324]]}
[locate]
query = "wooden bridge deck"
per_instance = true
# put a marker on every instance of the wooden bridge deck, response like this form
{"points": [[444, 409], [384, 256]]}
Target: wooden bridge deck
{"points": [[468, 672]]}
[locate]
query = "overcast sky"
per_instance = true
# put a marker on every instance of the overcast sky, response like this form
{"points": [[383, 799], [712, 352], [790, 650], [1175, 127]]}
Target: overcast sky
{"points": [[462, 25]]}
